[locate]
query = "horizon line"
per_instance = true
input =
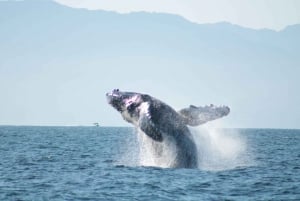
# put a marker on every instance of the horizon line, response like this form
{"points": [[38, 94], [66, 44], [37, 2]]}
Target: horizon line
{"points": [[119, 126]]}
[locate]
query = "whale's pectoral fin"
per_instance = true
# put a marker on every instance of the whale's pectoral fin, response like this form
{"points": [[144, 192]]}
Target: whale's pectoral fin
{"points": [[195, 116], [148, 127]]}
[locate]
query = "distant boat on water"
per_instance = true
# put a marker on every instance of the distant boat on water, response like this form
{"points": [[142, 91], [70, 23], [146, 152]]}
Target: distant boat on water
{"points": [[96, 124]]}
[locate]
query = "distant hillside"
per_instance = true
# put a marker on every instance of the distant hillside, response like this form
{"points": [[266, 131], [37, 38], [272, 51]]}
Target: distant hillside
{"points": [[57, 63]]}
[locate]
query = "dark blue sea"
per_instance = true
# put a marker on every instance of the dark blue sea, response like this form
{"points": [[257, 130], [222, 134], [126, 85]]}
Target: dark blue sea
{"points": [[106, 163]]}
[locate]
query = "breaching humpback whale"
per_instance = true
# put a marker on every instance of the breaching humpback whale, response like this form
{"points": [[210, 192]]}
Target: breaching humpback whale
{"points": [[163, 125]]}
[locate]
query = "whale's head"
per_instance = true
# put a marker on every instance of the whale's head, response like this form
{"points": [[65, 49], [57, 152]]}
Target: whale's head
{"points": [[129, 104]]}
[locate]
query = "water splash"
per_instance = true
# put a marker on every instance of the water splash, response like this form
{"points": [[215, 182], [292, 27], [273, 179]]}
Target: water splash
{"points": [[220, 149], [152, 153], [140, 150], [129, 151]]}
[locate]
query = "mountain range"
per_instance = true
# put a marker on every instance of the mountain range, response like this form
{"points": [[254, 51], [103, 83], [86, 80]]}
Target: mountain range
{"points": [[58, 62]]}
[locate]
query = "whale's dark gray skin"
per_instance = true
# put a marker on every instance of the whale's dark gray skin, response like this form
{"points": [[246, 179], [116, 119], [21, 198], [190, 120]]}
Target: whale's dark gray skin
{"points": [[162, 123]]}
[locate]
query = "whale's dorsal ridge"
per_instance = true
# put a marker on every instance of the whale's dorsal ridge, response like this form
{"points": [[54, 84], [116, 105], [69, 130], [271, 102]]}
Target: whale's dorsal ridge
{"points": [[194, 116]]}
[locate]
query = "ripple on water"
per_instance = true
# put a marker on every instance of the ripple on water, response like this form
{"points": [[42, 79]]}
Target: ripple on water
{"points": [[78, 163]]}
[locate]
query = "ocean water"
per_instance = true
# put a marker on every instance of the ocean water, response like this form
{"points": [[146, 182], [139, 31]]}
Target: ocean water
{"points": [[107, 163]]}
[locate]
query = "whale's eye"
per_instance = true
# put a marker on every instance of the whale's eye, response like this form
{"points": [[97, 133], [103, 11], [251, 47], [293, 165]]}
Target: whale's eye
{"points": [[131, 107]]}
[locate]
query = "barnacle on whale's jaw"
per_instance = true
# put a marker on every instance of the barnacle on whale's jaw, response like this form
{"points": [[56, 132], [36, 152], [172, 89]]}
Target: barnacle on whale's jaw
{"points": [[122, 101], [115, 99]]}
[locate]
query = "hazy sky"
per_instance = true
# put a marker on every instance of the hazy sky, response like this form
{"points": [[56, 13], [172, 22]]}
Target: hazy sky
{"points": [[272, 14], [57, 63]]}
